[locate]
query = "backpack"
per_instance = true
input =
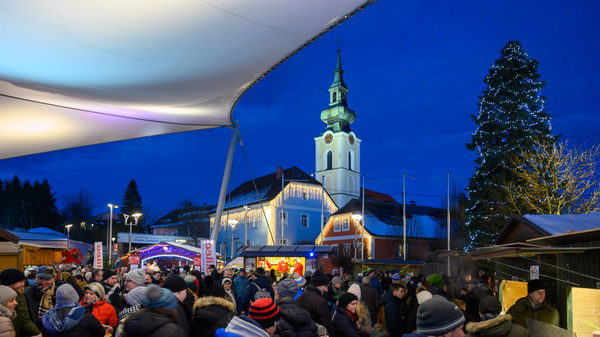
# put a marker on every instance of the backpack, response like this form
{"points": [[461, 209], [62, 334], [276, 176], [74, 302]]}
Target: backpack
{"points": [[261, 293]]}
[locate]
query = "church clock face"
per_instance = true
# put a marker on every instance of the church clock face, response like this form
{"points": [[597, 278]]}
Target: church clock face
{"points": [[351, 139], [328, 139]]}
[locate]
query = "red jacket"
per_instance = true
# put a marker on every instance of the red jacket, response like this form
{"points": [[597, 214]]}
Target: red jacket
{"points": [[104, 312]]}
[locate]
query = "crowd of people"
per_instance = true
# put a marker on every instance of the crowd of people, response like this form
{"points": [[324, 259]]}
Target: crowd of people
{"points": [[81, 301]]}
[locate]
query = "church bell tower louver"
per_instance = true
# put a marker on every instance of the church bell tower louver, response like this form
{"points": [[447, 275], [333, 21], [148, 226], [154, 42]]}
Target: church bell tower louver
{"points": [[337, 149]]}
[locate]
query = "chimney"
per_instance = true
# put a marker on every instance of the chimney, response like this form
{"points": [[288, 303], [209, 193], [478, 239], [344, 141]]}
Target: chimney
{"points": [[279, 172]]}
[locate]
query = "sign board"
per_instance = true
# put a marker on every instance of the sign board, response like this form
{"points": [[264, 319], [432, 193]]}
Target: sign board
{"points": [[208, 253], [534, 272], [98, 258], [197, 261], [141, 238], [134, 260]]}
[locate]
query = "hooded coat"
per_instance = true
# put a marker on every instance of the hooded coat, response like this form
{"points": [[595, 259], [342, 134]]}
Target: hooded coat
{"points": [[343, 324], [522, 309], [312, 301], [501, 326], [104, 312], [210, 314], [242, 326], [71, 320], [155, 322], [294, 321]]}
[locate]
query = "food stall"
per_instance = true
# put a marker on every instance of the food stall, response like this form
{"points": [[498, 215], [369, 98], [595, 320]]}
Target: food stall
{"points": [[288, 258]]}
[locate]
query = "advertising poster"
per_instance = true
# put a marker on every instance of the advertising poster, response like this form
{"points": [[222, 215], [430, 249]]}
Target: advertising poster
{"points": [[98, 258], [209, 255]]}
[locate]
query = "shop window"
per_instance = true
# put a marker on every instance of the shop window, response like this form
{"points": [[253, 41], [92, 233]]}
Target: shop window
{"points": [[304, 221], [345, 225], [336, 225]]}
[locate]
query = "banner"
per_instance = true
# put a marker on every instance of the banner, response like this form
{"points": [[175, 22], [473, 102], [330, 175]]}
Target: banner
{"points": [[98, 258], [208, 253]]}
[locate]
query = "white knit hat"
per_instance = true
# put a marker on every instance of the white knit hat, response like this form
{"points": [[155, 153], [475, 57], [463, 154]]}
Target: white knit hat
{"points": [[6, 294]]}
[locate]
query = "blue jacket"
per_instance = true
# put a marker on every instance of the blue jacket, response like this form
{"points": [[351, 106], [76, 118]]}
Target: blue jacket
{"points": [[243, 326], [251, 290], [377, 285], [241, 283]]}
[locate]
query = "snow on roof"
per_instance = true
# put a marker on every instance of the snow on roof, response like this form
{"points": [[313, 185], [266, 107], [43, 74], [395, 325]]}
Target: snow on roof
{"points": [[426, 226], [559, 224], [46, 231], [248, 198]]}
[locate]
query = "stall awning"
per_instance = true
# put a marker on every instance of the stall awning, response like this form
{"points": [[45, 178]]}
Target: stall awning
{"points": [[283, 251], [392, 262], [507, 251]]}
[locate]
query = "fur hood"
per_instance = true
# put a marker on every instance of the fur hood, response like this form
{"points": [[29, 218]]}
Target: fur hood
{"points": [[478, 326], [210, 300]]}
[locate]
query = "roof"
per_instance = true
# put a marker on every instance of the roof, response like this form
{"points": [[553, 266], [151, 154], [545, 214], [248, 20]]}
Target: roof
{"points": [[185, 70], [385, 218], [571, 237], [392, 262], [40, 234], [181, 215], [268, 187], [286, 251], [513, 251], [545, 225], [8, 236], [377, 196]]}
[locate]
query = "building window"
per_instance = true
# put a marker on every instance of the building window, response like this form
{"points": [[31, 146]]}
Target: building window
{"points": [[358, 249], [285, 218], [334, 97], [334, 250], [335, 271], [304, 196], [345, 225], [347, 248], [349, 160], [253, 224], [255, 242], [329, 160], [304, 221], [336, 225], [283, 242]]}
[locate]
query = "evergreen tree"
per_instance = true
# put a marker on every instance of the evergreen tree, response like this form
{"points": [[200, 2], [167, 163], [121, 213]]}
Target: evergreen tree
{"points": [[131, 204], [512, 117]]}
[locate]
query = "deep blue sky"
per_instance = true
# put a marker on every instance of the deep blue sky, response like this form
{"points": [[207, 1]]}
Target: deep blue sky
{"points": [[415, 70]]}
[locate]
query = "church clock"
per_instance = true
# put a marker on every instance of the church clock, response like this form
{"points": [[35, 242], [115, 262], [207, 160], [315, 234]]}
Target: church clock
{"points": [[328, 139], [351, 139]]}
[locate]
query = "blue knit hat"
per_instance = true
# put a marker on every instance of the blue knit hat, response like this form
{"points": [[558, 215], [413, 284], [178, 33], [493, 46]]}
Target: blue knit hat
{"points": [[396, 277], [157, 297]]}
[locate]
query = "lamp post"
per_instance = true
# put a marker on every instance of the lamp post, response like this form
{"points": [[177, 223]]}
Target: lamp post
{"points": [[68, 227], [357, 217], [110, 223], [136, 217], [232, 223]]}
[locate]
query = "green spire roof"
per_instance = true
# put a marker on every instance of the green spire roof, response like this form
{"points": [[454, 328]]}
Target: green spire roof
{"points": [[338, 77]]}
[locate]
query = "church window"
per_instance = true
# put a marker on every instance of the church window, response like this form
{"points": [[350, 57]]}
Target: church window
{"points": [[349, 160], [334, 97], [329, 160]]}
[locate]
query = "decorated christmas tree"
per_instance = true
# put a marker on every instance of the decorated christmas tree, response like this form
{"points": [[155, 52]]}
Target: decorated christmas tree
{"points": [[512, 117]]}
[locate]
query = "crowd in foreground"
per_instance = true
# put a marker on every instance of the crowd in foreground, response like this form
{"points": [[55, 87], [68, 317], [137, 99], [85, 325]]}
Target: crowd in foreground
{"points": [[80, 301]]}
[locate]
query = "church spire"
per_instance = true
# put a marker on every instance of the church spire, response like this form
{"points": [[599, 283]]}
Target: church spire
{"points": [[338, 117]]}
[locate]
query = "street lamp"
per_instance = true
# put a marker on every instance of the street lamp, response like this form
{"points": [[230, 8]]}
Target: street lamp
{"points": [[135, 216], [111, 206], [357, 217], [232, 223], [68, 227]]}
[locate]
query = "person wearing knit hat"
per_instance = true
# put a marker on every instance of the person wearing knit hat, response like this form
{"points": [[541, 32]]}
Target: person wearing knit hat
{"points": [[157, 316], [40, 297], [15, 279], [438, 317], [396, 277], [436, 285], [335, 289], [286, 288], [8, 300], [135, 278], [179, 288], [345, 318], [229, 292], [134, 299], [492, 323], [259, 283], [112, 290], [68, 318], [312, 300], [266, 313], [423, 296], [534, 306]]}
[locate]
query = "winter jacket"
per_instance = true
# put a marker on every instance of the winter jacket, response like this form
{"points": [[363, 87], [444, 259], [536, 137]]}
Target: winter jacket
{"points": [[394, 322], [242, 326], [411, 321], [501, 326], [184, 317], [294, 321], [241, 283], [115, 299], [7, 328], [377, 286], [312, 301], [104, 312], [23, 323], [438, 291], [33, 297], [343, 324], [370, 296], [251, 290], [210, 314], [71, 320], [154, 322], [522, 309]]}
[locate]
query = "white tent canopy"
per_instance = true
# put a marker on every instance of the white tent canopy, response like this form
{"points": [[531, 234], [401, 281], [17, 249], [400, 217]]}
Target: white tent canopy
{"points": [[76, 73]]}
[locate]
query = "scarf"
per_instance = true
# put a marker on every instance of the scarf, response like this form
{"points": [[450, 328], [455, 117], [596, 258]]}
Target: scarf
{"points": [[6, 312], [352, 315], [46, 301]]}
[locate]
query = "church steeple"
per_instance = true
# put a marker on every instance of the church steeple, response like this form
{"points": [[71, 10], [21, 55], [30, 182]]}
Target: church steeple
{"points": [[338, 117]]}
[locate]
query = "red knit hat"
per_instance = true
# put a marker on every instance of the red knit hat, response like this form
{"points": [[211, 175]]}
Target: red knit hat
{"points": [[265, 312]]}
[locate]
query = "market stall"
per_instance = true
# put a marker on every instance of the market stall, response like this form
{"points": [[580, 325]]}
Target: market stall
{"points": [[289, 258], [168, 255]]}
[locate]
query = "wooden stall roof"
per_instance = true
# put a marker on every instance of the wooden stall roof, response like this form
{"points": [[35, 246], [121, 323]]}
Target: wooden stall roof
{"points": [[569, 237], [521, 250], [8, 236]]}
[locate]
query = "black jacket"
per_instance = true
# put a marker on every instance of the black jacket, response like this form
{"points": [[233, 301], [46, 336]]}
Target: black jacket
{"points": [[210, 314], [294, 321], [115, 299], [155, 322], [312, 301], [88, 325], [33, 297], [343, 324], [394, 323]]}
